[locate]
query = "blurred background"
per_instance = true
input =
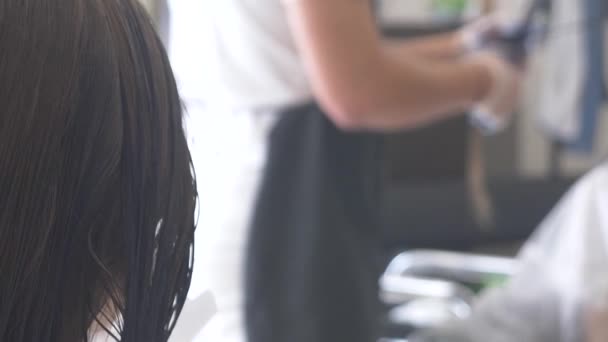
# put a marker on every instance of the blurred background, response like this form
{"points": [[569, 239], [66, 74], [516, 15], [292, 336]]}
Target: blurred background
{"points": [[452, 188], [526, 168]]}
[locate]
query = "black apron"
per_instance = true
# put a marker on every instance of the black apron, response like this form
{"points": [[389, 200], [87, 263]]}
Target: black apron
{"points": [[311, 271]]}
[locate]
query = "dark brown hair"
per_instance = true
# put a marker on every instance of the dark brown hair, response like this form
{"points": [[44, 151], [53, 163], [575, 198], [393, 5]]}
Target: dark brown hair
{"points": [[97, 193]]}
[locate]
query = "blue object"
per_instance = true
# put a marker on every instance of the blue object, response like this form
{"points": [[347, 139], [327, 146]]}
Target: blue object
{"points": [[594, 89]]}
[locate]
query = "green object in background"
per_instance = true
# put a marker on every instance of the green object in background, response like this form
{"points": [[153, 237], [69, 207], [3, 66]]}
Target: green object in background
{"points": [[495, 281], [449, 9], [489, 282]]}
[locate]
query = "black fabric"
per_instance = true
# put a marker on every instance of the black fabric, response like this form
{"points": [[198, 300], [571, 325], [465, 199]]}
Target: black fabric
{"points": [[311, 270]]}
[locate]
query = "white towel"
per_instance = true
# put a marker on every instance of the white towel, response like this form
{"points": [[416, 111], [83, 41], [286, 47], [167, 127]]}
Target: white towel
{"points": [[563, 73]]}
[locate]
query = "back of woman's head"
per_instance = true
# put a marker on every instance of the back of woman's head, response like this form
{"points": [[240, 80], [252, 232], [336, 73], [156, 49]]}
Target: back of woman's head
{"points": [[96, 190]]}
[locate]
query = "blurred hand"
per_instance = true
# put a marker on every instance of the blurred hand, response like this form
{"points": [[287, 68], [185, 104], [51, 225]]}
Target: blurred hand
{"points": [[494, 112], [478, 33]]}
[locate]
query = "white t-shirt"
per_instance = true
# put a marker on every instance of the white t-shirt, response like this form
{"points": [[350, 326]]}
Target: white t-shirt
{"points": [[237, 66], [236, 53]]}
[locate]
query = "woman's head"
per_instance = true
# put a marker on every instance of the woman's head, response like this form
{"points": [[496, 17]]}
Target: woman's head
{"points": [[97, 195]]}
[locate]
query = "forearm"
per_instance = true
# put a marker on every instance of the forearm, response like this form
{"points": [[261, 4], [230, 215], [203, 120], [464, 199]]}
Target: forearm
{"points": [[443, 46], [364, 85], [410, 92]]}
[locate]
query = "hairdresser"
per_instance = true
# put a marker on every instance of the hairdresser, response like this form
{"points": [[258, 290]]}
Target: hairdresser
{"points": [[285, 101]]}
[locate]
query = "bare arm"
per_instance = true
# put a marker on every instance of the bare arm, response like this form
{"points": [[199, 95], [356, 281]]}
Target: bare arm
{"points": [[364, 85], [441, 46]]}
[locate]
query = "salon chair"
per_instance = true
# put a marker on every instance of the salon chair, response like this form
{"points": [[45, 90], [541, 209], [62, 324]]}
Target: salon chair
{"points": [[424, 288]]}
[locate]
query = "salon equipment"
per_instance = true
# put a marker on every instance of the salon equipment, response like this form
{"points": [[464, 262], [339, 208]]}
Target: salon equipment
{"points": [[560, 285], [441, 275], [426, 288]]}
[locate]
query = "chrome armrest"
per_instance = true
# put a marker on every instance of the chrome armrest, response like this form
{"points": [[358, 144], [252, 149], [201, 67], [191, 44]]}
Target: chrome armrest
{"points": [[400, 289], [459, 267]]}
